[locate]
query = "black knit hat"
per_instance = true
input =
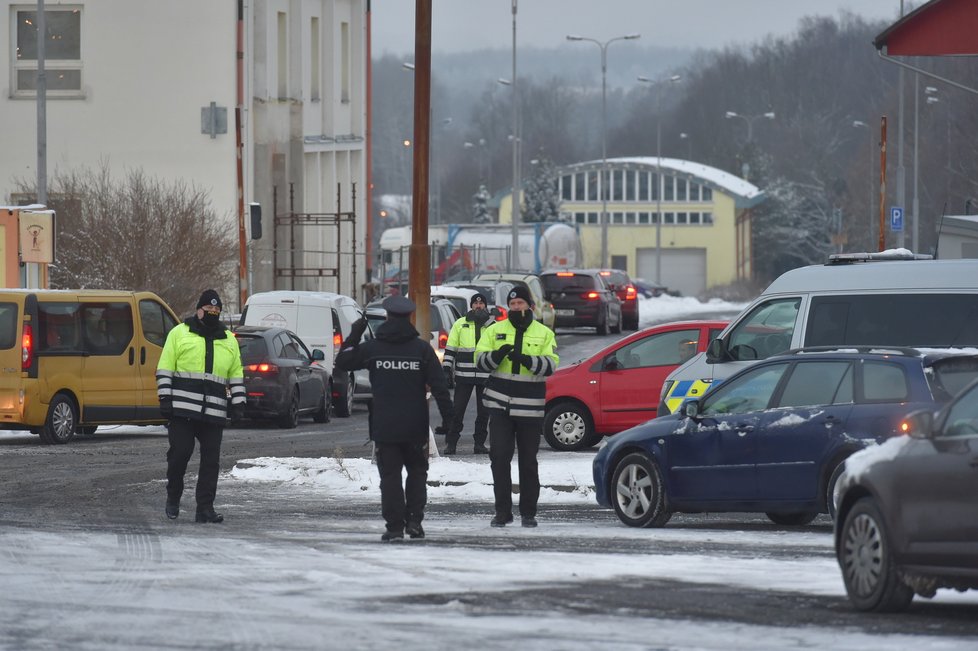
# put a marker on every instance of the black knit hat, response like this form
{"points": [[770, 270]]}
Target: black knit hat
{"points": [[519, 291], [209, 297], [477, 297]]}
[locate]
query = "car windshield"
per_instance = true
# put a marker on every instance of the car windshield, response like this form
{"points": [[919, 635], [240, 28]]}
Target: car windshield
{"points": [[253, 348]]}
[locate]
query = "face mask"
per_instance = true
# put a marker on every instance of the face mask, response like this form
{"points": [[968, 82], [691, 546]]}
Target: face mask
{"points": [[211, 320], [521, 319], [479, 314]]}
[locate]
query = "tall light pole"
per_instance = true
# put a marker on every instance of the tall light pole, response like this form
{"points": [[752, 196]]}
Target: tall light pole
{"points": [[515, 213], [689, 144], [483, 156], [603, 46], [749, 119], [658, 164], [872, 189], [928, 91]]}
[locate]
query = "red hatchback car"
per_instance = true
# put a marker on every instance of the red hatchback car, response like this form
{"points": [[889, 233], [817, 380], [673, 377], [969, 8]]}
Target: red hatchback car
{"points": [[618, 387]]}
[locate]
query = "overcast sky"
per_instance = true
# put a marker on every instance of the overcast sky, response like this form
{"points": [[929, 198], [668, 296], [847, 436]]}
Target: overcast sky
{"points": [[461, 25]]}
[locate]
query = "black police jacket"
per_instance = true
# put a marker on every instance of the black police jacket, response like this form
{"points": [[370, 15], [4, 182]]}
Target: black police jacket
{"points": [[402, 369]]}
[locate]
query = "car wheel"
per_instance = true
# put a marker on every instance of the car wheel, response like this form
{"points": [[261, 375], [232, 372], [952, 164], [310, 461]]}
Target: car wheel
{"points": [[631, 324], [617, 329], [59, 426], [637, 492], [321, 415], [290, 419], [568, 427], [866, 560], [792, 519], [343, 404], [602, 327]]}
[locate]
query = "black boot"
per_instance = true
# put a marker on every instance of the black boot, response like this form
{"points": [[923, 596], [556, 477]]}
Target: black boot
{"points": [[481, 449], [501, 519], [414, 529], [172, 508], [209, 515], [449, 449]]}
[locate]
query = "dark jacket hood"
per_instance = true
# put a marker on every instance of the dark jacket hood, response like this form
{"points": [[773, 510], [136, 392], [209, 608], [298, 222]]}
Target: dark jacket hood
{"points": [[396, 330]]}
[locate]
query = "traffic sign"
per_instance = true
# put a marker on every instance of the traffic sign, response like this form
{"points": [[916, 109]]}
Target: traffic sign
{"points": [[896, 218]]}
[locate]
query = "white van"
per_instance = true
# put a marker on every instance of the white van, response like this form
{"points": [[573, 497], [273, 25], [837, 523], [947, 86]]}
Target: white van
{"points": [[322, 320], [893, 298]]}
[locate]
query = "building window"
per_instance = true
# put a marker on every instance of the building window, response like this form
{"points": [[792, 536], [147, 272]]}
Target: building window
{"points": [[670, 218], [580, 217], [643, 218], [592, 218], [629, 218], [314, 58], [694, 218], [282, 67], [668, 193], [617, 218], [655, 218], [580, 187], [345, 63], [694, 191], [680, 189], [62, 52], [643, 186], [592, 186], [682, 218], [630, 185], [617, 184], [707, 218], [656, 187], [566, 189], [707, 193]]}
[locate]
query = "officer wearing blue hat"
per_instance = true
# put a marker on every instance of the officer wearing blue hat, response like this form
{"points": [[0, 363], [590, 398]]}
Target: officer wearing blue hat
{"points": [[402, 370]]}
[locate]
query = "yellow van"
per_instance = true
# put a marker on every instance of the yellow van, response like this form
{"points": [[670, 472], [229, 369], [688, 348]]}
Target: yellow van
{"points": [[71, 360]]}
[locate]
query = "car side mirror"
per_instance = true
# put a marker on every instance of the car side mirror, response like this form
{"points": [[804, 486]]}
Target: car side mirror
{"points": [[612, 364], [918, 424], [318, 355], [691, 408], [716, 351]]}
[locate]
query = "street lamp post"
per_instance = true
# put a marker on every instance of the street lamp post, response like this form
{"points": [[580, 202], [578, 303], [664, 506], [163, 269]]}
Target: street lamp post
{"points": [[872, 189], [659, 178], [515, 212], [603, 46], [928, 91], [689, 144], [483, 157], [749, 119]]}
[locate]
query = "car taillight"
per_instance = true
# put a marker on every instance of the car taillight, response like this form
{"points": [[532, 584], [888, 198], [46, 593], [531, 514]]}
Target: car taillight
{"points": [[442, 339], [337, 339], [591, 296], [27, 347], [502, 313], [905, 427], [565, 274], [264, 367], [630, 293]]}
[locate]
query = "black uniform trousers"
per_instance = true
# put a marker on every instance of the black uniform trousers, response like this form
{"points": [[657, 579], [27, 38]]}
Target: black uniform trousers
{"points": [[507, 433], [182, 432], [463, 391], [402, 503]]}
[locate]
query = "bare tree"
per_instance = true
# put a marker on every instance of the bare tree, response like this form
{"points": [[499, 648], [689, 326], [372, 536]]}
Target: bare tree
{"points": [[138, 233]]}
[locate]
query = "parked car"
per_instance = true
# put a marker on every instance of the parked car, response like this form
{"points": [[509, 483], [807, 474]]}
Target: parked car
{"points": [[442, 315], [495, 293], [774, 437], [649, 288], [619, 282], [543, 310], [907, 514], [460, 297], [618, 387], [281, 380], [581, 298]]}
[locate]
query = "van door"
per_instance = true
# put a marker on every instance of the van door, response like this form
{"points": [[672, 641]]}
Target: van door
{"points": [[110, 371], [11, 352], [155, 323], [314, 326]]}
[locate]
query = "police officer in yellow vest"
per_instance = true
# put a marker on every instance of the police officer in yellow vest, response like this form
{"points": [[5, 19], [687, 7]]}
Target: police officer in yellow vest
{"points": [[464, 377], [519, 355], [200, 361]]}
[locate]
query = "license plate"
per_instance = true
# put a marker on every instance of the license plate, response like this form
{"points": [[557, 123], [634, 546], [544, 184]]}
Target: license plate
{"points": [[564, 312]]}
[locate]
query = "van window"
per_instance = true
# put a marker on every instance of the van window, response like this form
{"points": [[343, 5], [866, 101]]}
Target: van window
{"points": [[893, 320], [8, 325], [58, 326], [106, 327], [765, 331], [156, 321]]}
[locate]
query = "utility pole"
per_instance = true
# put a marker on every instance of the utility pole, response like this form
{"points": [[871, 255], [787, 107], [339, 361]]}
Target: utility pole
{"points": [[419, 278]]}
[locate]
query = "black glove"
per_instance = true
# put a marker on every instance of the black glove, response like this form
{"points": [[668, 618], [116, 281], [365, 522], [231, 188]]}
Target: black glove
{"points": [[237, 411], [450, 378], [356, 331], [520, 358], [499, 355], [441, 430], [166, 407]]}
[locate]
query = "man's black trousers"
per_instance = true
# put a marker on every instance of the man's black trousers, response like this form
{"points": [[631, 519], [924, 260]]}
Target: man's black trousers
{"points": [[182, 432], [507, 433], [401, 503], [463, 391]]}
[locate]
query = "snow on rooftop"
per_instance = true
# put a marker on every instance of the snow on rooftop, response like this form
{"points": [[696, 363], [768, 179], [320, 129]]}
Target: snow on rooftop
{"points": [[724, 180]]}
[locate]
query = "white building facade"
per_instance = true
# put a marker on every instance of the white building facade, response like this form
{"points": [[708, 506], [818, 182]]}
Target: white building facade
{"points": [[154, 86]]}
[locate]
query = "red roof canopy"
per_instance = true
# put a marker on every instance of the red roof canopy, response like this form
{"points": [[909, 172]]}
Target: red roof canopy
{"points": [[938, 28]]}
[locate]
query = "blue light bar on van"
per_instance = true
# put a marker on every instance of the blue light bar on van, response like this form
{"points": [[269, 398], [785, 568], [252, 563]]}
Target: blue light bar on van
{"points": [[895, 254]]}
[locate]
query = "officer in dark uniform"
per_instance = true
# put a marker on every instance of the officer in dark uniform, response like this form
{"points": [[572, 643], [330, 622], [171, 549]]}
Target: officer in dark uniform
{"points": [[402, 369]]}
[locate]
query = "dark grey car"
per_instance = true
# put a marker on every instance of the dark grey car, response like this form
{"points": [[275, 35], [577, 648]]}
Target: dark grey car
{"points": [[280, 378], [907, 511]]}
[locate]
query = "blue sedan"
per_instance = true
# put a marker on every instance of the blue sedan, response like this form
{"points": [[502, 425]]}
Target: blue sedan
{"points": [[774, 437]]}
